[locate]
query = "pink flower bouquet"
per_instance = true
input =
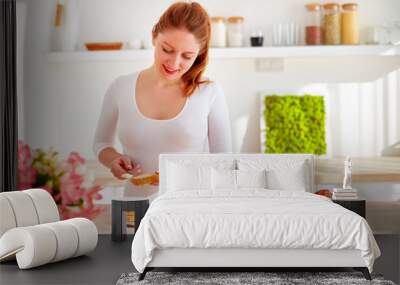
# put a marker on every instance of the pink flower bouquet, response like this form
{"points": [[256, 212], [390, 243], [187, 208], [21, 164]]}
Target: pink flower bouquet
{"points": [[68, 181]]}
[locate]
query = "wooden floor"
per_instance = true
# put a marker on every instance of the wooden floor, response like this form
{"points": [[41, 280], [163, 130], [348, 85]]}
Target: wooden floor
{"points": [[111, 259]]}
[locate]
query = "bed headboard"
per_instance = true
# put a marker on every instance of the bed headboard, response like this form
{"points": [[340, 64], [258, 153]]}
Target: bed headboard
{"points": [[211, 158]]}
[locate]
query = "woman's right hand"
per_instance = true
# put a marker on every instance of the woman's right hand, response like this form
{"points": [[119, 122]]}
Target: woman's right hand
{"points": [[123, 164]]}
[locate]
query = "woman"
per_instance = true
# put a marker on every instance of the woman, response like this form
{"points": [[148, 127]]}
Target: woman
{"points": [[168, 107]]}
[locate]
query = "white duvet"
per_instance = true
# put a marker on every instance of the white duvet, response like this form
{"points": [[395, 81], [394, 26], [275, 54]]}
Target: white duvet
{"points": [[252, 218]]}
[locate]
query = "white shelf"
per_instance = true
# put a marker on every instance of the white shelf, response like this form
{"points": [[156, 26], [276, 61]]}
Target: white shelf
{"points": [[235, 53], [306, 51]]}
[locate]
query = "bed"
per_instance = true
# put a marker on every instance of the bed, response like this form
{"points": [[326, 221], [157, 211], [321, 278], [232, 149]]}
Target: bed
{"points": [[245, 211]]}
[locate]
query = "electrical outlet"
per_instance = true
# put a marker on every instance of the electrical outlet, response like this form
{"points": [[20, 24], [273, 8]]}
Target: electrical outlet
{"points": [[270, 65]]}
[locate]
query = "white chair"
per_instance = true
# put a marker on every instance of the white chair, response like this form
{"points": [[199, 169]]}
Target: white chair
{"points": [[31, 230]]}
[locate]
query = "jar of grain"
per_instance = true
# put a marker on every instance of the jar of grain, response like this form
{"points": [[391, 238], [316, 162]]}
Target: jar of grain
{"points": [[235, 31], [350, 30], [313, 30], [331, 24], [218, 32]]}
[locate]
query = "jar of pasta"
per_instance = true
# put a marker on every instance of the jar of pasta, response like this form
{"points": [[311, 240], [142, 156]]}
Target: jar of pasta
{"points": [[218, 32], [331, 24], [350, 30], [235, 31], [313, 30]]}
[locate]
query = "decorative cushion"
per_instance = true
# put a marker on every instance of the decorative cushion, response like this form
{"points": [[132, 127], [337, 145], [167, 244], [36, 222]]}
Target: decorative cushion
{"points": [[227, 179], [189, 174], [223, 179], [251, 178], [291, 177], [181, 177], [173, 166], [282, 174]]}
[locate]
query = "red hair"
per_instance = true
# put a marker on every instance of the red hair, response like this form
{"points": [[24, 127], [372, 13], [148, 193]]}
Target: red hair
{"points": [[193, 18]]}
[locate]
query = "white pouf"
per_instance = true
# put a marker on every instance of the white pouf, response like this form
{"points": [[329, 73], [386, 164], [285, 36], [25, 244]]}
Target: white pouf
{"points": [[31, 233]]}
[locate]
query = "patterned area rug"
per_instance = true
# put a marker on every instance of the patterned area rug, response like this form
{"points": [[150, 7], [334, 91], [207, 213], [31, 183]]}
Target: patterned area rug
{"points": [[230, 278]]}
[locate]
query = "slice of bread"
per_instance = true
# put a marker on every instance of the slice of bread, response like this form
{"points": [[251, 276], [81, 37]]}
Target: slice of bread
{"points": [[145, 179]]}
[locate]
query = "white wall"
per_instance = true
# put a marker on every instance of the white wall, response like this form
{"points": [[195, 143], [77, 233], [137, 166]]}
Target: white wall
{"points": [[62, 100]]}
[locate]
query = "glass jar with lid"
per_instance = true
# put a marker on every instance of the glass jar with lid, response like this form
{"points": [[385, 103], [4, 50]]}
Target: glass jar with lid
{"points": [[313, 30], [218, 32], [331, 23], [350, 31], [235, 31]]}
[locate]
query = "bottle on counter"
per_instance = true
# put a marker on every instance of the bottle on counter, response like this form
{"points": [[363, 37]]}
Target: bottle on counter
{"points": [[313, 30], [235, 32], [331, 24], [349, 24], [218, 32]]}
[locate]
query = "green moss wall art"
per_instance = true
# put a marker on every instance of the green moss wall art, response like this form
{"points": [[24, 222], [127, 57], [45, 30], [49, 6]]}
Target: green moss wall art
{"points": [[294, 124]]}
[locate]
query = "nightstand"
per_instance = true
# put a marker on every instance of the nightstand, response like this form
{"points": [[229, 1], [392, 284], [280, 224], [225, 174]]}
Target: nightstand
{"points": [[357, 206], [119, 208]]}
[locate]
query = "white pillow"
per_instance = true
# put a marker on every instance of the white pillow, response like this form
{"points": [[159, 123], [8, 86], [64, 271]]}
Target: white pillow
{"points": [[188, 177], [282, 174], [223, 179], [293, 180], [251, 178], [227, 179]]}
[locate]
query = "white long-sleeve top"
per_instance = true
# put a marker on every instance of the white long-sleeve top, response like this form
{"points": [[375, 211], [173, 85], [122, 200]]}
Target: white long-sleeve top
{"points": [[203, 125]]}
